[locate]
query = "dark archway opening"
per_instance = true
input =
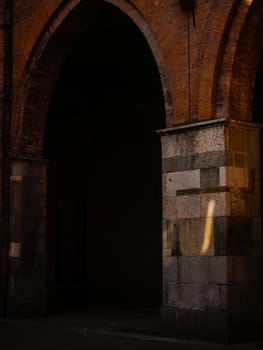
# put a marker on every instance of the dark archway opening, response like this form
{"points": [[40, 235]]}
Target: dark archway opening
{"points": [[258, 118], [104, 177], [257, 102]]}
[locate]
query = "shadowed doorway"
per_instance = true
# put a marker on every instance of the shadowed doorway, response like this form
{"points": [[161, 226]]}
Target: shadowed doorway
{"points": [[104, 176], [258, 118]]}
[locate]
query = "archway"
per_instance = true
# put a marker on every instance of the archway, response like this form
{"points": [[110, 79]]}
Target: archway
{"points": [[104, 182]]}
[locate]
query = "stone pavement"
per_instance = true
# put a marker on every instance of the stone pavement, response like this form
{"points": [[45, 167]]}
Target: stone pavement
{"points": [[98, 330]]}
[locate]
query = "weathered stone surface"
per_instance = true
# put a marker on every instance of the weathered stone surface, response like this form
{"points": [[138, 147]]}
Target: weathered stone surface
{"points": [[245, 269], [181, 207], [238, 203], [193, 269], [236, 138], [180, 181], [210, 324], [191, 236], [194, 295], [170, 273], [169, 208], [197, 161], [167, 253], [218, 270], [207, 139], [235, 177], [232, 235], [209, 178], [220, 206], [170, 237]]}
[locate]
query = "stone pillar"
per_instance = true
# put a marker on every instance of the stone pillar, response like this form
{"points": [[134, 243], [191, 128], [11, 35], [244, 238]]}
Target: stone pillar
{"points": [[27, 242], [211, 231]]}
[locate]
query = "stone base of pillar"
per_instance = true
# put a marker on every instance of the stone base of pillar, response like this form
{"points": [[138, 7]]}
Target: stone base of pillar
{"points": [[212, 252], [211, 325]]}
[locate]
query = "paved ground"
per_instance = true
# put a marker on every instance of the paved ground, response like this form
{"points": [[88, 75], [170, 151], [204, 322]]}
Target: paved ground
{"points": [[97, 330]]}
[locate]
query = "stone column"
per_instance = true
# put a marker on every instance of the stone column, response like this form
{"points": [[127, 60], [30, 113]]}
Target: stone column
{"points": [[211, 231], [27, 241]]}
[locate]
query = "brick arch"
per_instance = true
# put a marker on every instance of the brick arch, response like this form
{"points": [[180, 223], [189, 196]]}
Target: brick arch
{"points": [[45, 61], [237, 66], [204, 69]]}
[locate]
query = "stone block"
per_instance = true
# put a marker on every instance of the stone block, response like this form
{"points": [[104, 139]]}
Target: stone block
{"points": [[220, 206], [181, 180], [223, 296], [220, 235], [169, 146], [170, 237], [169, 208], [167, 253], [201, 161], [197, 161], [194, 295], [235, 177], [183, 269], [188, 206], [191, 234], [239, 235], [208, 139], [214, 297], [245, 269], [209, 325], [174, 164], [232, 235], [240, 159], [209, 178], [236, 139], [170, 273], [193, 269], [211, 159], [218, 270], [182, 207]]}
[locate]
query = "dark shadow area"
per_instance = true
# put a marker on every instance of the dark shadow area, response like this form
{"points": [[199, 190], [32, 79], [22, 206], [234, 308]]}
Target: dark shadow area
{"points": [[104, 175], [258, 93], [258, 118]]}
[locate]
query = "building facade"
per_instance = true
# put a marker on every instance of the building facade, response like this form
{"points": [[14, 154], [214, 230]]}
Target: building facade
{"points": [[100, 101]]}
